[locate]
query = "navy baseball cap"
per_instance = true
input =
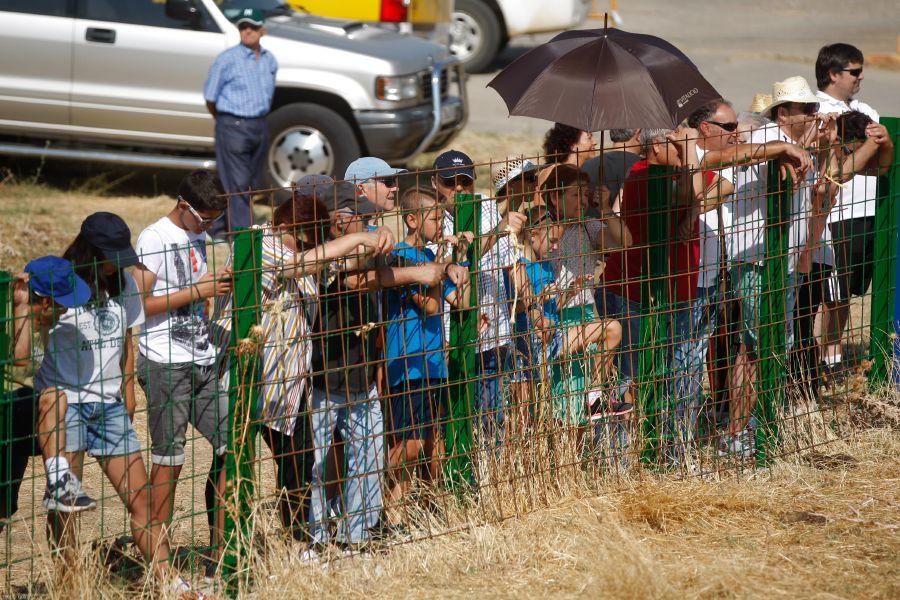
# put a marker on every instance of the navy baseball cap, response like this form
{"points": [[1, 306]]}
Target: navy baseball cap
{"points": [[110, 234], [453, 163], [54, 277]]}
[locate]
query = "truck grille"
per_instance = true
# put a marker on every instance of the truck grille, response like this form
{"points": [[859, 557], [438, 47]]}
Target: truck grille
{"points": [[425, 82]]}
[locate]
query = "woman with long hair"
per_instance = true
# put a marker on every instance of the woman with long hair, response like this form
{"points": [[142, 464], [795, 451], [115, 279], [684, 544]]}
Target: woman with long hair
{"points": [[89, 363]]}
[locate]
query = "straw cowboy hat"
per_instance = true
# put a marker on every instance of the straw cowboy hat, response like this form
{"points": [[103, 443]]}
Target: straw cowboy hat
{"points": [[792, 89], [760, 102]]}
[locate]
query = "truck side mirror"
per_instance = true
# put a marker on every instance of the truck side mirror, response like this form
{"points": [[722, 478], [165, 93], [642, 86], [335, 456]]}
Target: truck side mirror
{"points": [[183, 10]]}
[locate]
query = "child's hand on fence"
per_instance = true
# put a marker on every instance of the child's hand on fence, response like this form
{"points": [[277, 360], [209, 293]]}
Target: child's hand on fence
{"points": [[514, 223], [464, 239], [214, 284]]}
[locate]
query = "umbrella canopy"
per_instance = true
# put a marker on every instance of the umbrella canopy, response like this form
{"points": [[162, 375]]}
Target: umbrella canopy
{"points": [[598, 79]]}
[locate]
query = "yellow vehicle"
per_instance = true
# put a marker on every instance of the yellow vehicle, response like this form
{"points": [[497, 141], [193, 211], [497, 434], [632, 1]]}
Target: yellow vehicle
{"points": [[418, 13]]}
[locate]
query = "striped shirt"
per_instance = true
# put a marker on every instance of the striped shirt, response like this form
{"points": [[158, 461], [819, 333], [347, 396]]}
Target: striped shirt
{"points": [[240, 84], [286, 310]]}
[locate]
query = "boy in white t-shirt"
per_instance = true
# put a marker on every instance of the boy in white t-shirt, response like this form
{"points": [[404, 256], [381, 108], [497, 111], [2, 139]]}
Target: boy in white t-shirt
{"points": [[177, 364]]}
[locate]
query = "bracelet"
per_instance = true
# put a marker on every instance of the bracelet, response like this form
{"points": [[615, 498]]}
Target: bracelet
{"points": [[195, 288], [446, 268]]}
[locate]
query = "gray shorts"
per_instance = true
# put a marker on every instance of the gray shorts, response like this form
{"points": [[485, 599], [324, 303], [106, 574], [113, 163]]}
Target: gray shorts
{"points": [[178, 394]]}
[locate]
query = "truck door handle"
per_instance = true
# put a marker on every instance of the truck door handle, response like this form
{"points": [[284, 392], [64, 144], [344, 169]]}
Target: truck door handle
{"points": [[102, 36]]}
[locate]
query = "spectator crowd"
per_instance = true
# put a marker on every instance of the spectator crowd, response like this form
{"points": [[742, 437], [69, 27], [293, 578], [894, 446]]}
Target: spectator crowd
{"points": [[365, 282]]}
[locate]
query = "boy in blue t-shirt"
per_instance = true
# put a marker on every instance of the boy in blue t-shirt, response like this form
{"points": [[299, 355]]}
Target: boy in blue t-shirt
{"points": [[416, 364]]}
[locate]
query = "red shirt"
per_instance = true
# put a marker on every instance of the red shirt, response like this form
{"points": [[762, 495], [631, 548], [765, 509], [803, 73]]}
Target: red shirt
{"points": [[625, 269]]}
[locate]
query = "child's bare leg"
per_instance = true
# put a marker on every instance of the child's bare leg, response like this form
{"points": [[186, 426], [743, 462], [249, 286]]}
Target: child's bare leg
{"points": [[51, 431], [607, 334]]}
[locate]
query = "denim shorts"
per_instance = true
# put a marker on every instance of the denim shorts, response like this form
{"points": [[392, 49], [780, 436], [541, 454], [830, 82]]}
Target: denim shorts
{"points": [[416, 408], [101, 428]]}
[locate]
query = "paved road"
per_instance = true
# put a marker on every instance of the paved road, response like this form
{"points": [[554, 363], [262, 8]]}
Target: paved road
{"points": [[740, 47]]}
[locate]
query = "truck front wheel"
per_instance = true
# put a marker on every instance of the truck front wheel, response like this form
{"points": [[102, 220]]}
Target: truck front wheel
{"points": [[307, 139], [475, 34]]}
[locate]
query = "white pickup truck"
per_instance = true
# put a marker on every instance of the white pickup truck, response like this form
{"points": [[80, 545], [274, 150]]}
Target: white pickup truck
{"points": [[121, 81]]}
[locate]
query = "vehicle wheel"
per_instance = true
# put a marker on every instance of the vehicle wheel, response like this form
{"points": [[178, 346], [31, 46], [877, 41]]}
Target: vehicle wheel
{"points": [[474, 34], [306, 139]]}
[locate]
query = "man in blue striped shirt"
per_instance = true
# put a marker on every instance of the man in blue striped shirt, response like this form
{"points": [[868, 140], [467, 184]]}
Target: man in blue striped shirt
{"points": [[238, 94]]}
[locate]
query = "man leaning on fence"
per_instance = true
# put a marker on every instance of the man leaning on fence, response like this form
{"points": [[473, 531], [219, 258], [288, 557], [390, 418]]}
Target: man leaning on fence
{"points": [[239, 91]]}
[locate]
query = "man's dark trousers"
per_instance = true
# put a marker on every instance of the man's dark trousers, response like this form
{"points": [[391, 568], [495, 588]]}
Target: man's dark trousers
{"points": [[240, 159]]}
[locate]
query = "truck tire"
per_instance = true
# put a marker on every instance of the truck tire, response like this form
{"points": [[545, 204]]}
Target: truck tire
{"points": [[306, 139], [475, 34]]}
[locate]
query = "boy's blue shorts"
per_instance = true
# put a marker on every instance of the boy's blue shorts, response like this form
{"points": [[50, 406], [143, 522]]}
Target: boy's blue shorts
{"points": [[415, 408]]}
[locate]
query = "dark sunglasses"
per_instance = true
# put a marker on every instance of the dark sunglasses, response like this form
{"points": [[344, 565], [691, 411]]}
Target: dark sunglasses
{"points": [[856, 72], [390, 181], [244, 26], [729, 127], [810, 109]]}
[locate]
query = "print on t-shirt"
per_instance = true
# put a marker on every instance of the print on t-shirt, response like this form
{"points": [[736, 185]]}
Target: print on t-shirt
{"points": [[189, 324]]}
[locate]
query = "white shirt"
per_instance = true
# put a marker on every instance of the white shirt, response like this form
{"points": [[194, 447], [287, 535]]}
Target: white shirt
{"points": [[746, 236], [178, 259], [492, 298], [577, 255], [858, 199], [709, 233], [83, 356]]}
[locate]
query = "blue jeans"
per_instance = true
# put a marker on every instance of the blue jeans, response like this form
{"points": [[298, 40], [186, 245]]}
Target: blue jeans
{"points": [[490, 366], [358, 417], [694, 324], [241, 146], [628, 313]]}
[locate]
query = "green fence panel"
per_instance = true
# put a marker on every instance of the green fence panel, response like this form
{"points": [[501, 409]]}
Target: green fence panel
{"points": [[772, 347], [243, 388], [6, 364], [884, 281], [463, 342], [656, 312]]}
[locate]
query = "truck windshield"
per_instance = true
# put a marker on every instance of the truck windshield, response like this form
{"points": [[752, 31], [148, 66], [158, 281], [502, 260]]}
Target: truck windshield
{"points": [[271, 7]]}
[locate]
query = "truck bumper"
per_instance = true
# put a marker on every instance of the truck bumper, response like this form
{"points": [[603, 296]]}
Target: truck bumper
{"points": [[400, 135]]}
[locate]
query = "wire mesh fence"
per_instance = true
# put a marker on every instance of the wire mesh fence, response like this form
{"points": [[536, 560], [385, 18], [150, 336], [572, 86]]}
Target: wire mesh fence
{"points": [[415, 356]]}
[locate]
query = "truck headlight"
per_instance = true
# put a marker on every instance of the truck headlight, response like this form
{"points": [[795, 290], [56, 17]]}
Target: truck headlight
{"points": [[397, 87]]}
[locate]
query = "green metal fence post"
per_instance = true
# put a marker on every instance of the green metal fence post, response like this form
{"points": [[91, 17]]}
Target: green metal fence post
{"points": [[884, 281], [772, 350], [656, 311], [244, 352], [463, 340]]}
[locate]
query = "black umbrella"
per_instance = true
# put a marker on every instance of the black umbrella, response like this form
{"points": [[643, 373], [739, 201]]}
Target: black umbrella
{"points": [[597, 79]]}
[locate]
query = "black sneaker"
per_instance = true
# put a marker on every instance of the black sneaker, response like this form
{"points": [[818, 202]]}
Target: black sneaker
{"points": [[67, 496]]}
